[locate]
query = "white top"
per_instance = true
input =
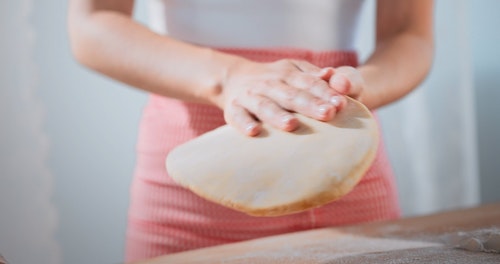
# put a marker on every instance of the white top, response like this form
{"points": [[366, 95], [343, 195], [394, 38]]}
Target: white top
{"points": [[310, 24]]}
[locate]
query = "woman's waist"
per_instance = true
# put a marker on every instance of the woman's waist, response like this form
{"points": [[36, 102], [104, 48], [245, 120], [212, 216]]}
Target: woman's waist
{"points": [[167, 115], [320, 58]]}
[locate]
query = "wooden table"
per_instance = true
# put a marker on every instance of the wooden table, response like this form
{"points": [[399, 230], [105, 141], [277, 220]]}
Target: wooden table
{"points": [[426, 239]]}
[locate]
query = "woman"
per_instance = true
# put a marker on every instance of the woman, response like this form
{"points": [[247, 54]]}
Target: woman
{"points": [[247, 63]]}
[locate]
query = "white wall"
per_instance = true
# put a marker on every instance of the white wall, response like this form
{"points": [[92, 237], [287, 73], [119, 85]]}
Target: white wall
{"points": [[67, 138]]}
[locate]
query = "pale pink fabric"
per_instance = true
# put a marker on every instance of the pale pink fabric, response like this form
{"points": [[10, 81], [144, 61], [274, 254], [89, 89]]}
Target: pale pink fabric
{"points": [[165, 217]]}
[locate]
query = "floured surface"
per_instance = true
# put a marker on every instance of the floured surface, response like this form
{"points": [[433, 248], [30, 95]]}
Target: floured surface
{"points": [[343, 247], [279, 172], [423, 239], [329, 247], [325, 246], [428, 255]]}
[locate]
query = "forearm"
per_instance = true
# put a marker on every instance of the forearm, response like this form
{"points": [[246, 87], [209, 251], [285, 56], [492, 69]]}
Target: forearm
{"points": [[403, 53], [395, 68], [112, 43], [105, 38]]}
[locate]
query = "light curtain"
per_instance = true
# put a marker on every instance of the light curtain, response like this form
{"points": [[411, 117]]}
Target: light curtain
{"points": [[431, 134], [28, 217]]}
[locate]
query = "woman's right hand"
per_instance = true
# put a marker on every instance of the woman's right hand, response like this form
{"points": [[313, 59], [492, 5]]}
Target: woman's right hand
{"points": [[254, 93], [250, 93]]}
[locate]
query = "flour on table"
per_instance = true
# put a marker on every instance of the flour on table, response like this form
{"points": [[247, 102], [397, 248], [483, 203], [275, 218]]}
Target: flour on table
{"points": [[482, 240], [314, 251]]}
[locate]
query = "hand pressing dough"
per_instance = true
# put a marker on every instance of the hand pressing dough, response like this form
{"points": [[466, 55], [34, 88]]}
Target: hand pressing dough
{"points": [[278, 172]]}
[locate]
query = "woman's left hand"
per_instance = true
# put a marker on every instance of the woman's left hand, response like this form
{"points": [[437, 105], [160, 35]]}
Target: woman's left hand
{"points": [[348, 81]]}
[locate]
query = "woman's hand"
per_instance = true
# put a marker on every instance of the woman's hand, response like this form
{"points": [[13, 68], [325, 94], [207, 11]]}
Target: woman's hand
{"points": [[269, 92], [348, 81]]}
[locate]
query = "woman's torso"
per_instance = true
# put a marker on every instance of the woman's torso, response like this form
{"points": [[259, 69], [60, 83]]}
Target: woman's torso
{"points": [[310, 24], [166, 218]]}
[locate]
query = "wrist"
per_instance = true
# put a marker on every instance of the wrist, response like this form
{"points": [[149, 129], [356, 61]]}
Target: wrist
{"points": [[220, 68], [368, 96]]}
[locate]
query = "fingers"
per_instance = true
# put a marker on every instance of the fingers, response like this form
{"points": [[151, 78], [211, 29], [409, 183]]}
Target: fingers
{"points": [[326, 73], [323, 73], [270, 103], [317, 87], [241, 119], [294, 99], [320, 89], [347, 81], [239, 115], [269, 93], [268, 111]]}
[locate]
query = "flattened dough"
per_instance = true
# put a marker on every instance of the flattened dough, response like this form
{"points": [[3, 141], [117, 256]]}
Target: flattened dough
{"points": [[277, 172]]}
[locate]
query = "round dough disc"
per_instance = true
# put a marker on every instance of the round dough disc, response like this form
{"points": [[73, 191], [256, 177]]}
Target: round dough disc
{"points": [[278, 172]]}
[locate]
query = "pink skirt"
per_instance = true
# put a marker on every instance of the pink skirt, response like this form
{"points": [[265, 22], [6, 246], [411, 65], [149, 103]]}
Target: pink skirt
{"points": [[166, 218]]}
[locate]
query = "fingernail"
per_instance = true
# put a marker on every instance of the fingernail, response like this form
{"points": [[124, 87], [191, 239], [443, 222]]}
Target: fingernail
{"points": [[323, 109], [325, 71], [286, 119], [250, 127], [336, 100]]}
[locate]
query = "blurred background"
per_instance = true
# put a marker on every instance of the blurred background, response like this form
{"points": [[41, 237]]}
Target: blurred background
{"points": [[67, 135]]}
